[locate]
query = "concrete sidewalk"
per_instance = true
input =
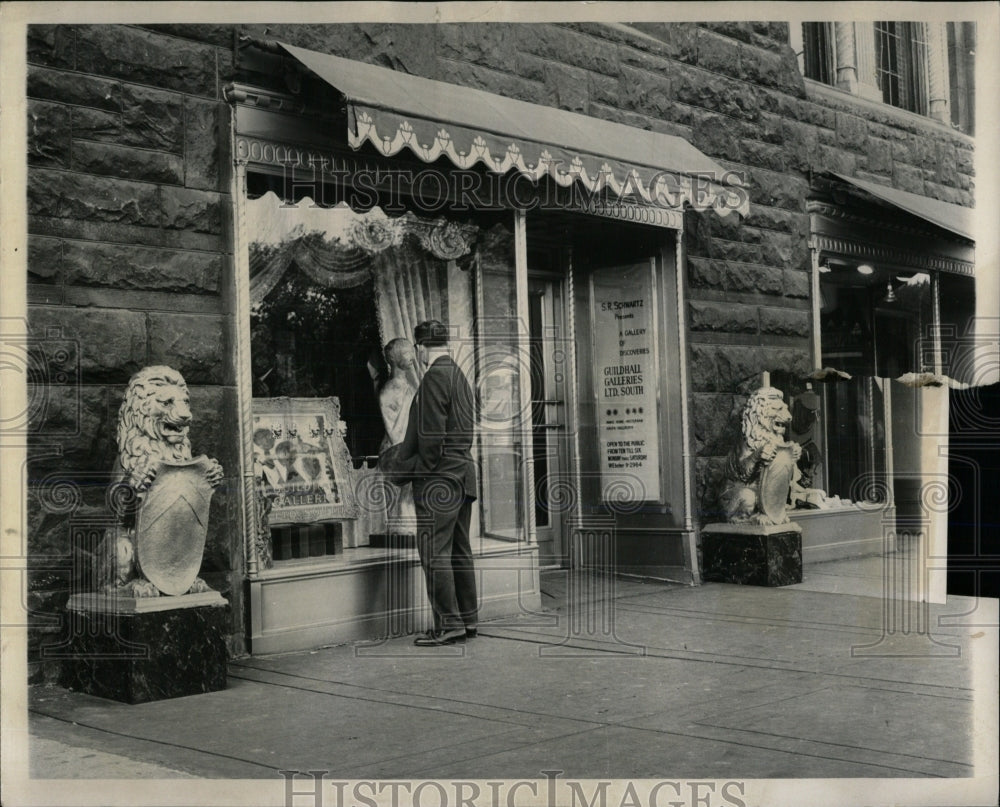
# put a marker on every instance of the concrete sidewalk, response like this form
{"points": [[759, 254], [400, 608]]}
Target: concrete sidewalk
{"points": [[643, 681]]}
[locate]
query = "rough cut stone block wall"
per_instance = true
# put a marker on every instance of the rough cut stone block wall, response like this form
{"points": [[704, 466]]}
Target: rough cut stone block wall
{"points": [[128, 265], [734, 90]]}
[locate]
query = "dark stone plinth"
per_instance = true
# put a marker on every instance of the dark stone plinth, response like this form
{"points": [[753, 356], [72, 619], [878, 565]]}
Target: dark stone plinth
{"points": [[140, 657], [751, 555]]}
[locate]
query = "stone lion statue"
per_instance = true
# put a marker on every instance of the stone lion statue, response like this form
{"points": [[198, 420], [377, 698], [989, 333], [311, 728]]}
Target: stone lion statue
{"points": [[153, 425], [764, 420]]}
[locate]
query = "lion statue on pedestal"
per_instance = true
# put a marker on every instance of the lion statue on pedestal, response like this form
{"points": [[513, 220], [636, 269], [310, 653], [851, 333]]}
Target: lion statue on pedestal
{"points": [[764, 420], [153, 425]]}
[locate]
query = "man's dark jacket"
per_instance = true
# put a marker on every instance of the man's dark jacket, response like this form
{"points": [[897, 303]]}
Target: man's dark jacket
{"points": [[439, 433]]}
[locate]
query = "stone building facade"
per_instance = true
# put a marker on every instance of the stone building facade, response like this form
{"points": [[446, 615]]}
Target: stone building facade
{"points": [[130, 220]]}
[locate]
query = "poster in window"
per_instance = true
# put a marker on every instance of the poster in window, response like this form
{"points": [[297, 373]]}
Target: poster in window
{"points": [[300, 460], [626, 381]]}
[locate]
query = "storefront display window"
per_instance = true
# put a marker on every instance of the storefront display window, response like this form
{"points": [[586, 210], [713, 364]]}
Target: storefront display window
{"points": [[330, 288], [498, 373], [873, 319]]}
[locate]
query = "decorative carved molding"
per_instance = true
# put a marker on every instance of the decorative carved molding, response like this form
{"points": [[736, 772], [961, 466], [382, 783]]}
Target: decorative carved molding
{"points": [[571, 381], [261, 151], [262, 99], [832, 211], [320, 166], [892, 255], [253, 516]]}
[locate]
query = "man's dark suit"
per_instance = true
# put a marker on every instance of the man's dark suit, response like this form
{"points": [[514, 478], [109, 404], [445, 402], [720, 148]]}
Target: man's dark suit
{"points": [[436, 453]]}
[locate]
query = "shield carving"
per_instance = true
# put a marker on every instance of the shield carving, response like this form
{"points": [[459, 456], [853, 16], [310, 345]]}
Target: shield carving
{"points": [[775, 483], [172, 525]]}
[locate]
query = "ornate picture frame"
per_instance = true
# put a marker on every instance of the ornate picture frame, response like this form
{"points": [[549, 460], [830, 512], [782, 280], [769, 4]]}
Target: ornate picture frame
{"points": [[300, 460]]}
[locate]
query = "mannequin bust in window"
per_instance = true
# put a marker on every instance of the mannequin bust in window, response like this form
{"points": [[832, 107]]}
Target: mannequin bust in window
{"points": [[394, 400]]}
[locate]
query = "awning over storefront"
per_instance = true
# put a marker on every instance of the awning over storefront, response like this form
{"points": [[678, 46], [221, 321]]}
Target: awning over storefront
{"points": [[395, 111], [954, 218]]}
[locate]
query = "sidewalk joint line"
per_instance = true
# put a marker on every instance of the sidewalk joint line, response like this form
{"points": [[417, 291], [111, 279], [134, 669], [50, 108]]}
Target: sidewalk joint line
{"points": [[792, 738], [150, 740], [413, 695]]}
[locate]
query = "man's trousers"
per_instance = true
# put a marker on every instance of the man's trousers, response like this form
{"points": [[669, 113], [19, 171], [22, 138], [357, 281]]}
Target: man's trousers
{"points": [[444, 514]]}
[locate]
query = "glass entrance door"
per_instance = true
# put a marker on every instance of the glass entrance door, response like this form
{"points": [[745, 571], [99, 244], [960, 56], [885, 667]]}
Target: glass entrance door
{"points": [[549, 417]]}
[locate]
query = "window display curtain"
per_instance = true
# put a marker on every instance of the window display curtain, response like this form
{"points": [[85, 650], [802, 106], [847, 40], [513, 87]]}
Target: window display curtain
{"points": [[410, 288], [408, 258], [325, 263]]}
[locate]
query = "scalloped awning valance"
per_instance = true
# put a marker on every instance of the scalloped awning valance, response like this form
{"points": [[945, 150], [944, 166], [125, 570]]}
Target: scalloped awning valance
{"points": [[395, 111]]}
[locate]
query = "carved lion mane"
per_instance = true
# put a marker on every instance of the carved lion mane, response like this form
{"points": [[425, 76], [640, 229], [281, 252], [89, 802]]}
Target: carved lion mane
{"points": [[765, 417], [153, 421]]}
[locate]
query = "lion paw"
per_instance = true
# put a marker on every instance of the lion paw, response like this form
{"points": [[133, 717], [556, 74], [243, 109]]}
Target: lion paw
{"points": [[199, 586], [214, 473], [143, 475], [138, 589]]}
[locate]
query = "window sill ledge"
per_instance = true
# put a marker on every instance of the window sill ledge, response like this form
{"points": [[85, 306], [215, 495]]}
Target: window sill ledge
{"points": [[817, 91], [360, 557]]}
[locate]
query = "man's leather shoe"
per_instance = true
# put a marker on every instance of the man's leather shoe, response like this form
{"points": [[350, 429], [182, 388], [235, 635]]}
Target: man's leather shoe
{"points": [[436, 638], [471, 633]]}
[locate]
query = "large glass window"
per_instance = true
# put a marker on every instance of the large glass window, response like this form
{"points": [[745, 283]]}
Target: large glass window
{"points": [[901, 64], [499, 365], [872, 318], [819, 57], [330, 289]]}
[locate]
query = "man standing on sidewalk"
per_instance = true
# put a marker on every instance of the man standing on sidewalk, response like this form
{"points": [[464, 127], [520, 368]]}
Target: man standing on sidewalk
{"points": [[436, 452]]}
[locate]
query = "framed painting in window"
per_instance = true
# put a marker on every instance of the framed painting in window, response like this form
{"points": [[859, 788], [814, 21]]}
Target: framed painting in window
{"points": [[300, 460]]}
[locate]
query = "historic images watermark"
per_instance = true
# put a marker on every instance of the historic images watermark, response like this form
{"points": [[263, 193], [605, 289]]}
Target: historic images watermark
{"points": [[47, 363], [331, 181], [316, 788]]}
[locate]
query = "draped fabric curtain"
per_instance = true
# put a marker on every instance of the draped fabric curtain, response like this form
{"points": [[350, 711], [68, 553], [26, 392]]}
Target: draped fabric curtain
{"points": [[409, 259], [326, 263], [410, 287]]}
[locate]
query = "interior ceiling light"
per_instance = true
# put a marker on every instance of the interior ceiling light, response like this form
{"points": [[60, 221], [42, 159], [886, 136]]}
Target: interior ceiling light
{"points": [[890, 296], [866, 268]]}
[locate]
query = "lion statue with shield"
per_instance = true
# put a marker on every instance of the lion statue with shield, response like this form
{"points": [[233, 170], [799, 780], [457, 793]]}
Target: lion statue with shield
{"points": [[762, 441], [161, 493]]}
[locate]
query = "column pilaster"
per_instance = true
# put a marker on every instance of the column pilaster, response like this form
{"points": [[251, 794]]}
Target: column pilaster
{"points": [[864, 60], [937, 71], [847, 71]]}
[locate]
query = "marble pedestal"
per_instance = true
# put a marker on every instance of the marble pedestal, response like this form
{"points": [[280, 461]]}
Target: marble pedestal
{"points": [[139, 650], [752, 555]]}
